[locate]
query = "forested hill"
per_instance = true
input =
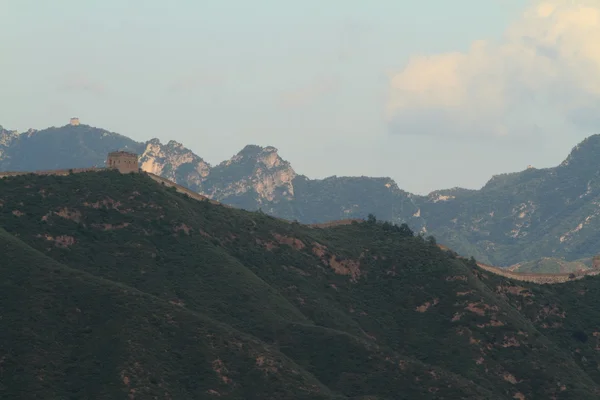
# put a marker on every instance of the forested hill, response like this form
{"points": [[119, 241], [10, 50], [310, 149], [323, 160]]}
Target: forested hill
{"points": [[113, 286]]}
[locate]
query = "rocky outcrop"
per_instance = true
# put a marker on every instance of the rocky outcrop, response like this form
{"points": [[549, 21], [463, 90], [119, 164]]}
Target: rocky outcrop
{"points": [[255, 172], [174, 162], [6, 140]]}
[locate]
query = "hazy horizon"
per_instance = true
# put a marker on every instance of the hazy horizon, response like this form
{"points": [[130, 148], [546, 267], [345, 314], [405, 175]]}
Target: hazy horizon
{"points": [[432, 99]]}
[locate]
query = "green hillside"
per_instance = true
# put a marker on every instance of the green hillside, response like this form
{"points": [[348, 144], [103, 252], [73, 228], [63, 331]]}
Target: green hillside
{"points": [[116, 287]]}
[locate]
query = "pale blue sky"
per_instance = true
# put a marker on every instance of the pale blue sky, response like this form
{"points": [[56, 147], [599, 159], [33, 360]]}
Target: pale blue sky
{"points": [[312, 78]]}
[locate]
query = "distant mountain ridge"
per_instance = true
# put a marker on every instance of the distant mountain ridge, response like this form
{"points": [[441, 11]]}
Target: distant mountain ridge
{"points": [[515, 218]]}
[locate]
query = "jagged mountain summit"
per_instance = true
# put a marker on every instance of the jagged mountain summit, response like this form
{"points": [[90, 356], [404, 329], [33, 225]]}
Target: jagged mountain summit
{"points": [[129, 289], [516, 217]]}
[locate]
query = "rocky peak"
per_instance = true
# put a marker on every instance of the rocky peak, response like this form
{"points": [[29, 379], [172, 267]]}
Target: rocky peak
{"points": [[585, 154], [253, 154], [172, 144], [7, 137], [175, 162], [250, 150], [254, 169]]}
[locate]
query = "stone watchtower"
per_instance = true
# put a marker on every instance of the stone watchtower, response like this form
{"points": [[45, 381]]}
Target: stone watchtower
{"points": [[123, 161]]}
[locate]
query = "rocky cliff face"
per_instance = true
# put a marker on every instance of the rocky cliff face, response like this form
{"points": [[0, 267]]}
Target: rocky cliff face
{"points": [[6, 140], [255, 172], [175, 162]]}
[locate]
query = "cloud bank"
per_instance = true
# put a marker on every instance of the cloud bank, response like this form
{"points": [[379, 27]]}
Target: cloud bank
{"points": [[544, 72]]}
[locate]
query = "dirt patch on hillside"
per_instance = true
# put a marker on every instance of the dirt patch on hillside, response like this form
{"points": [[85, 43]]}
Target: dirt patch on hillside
{"points": [[296, 270], [219, 367], [106, 203], [290, 241], [340, 266], [456, 278], [62, 241], [457, 316], [514, 290], [73, 215], [510, 378], [550, 311], [510, 341], [345, 267], [110, 227], [266, 244], [319, 250], [480, 308], [267, 364], [425, 307], [182, 227]]}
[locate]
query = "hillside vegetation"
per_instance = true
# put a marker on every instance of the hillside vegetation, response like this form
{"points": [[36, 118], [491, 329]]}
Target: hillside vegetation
{"points": [[114, 286]]}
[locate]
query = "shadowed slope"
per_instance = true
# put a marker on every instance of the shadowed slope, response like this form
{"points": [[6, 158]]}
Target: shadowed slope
{"points": [[363, 309]]}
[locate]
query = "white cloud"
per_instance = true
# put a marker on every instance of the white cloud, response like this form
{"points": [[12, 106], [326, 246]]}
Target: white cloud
{"points": [[544, 71]]}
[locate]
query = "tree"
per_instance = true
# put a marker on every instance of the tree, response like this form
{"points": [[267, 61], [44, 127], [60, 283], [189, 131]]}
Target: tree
{"points": [[405, 230]]}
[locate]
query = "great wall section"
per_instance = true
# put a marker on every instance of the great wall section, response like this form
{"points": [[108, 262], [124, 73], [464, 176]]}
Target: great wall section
{"points": [[60, 172], [127, 163], [182, 189], [540, 278], [159, 179]]}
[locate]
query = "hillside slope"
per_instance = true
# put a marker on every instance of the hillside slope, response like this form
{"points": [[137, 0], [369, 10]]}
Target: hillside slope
{"points": [[74, 335], [129, 279]]}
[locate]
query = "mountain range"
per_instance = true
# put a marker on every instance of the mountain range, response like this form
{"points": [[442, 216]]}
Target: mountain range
{"points": [[117, 287], [514, 219]]}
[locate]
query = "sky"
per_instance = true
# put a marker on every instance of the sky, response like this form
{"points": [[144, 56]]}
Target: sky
{"points": [[432, 93]]}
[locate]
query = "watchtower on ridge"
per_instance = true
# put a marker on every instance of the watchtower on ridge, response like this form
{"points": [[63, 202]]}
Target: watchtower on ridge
{"points": [[123, 161]]}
